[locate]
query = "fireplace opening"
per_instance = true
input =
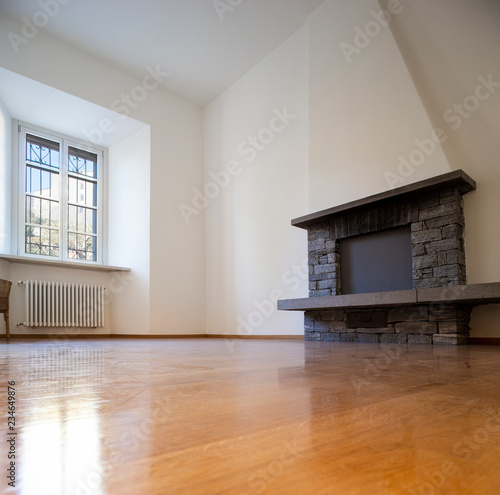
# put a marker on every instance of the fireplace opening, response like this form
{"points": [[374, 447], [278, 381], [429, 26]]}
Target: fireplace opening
{"points": [[377, 262]]}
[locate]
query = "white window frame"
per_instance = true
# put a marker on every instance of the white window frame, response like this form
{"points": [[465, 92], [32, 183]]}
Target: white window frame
{"points": [[65, 142]]}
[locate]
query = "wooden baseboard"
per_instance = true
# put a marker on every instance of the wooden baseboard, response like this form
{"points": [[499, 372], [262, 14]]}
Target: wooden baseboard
{"points": [[255, 337], [125, 336], [60, 337], [135, 336], [55, 336], [484, 341], [97, 336]]}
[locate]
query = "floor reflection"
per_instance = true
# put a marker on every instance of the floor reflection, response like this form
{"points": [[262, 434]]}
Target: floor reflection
{"points": [[59, 433], [59, 456]]}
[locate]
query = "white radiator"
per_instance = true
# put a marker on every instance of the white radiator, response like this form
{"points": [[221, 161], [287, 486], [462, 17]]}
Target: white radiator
{"points": [[61, 304]]}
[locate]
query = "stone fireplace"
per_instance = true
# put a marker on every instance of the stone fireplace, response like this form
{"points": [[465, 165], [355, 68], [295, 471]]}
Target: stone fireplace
{"points": [[391, 268]]}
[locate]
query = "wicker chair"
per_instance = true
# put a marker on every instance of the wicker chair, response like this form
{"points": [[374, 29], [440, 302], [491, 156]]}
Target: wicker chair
{"points": [[5, 286]]}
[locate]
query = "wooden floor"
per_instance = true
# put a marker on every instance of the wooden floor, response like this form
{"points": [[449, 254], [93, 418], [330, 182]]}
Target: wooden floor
{"points": [[205, 416]]}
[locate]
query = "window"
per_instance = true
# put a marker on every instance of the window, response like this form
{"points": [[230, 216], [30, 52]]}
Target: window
{"points": [[62, 198]]}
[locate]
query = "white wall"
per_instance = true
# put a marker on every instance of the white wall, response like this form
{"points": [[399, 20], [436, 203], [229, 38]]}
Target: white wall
{"points": [[365, 111], [4, 271], [177, 249], [5, 177], [129, 233], [5, 142], [5, 197], [176, 255], [251, 249]]}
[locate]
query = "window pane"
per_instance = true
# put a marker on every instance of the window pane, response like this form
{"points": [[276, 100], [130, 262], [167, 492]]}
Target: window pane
{"points": [[72, 247], [91, 246], [82, 192], [82, 247], [82, 220], [82, 162], [72, 190], [32, 210], [75, 220], [42, 182], [42, 151], [42, 212], [54, 214], [91, 193], [92, 223], [33, 179], [49, 186], [42, 241]]}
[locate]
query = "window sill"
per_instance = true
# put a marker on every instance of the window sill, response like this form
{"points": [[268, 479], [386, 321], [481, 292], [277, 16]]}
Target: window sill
{"points": [[62, 264]]}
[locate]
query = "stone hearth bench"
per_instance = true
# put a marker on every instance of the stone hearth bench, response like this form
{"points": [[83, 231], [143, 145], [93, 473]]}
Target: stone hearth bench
{"points": [[438, 315]]}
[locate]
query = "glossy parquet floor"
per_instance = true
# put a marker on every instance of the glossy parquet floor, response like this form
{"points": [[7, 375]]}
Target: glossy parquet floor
{"points": [[210, 416]]}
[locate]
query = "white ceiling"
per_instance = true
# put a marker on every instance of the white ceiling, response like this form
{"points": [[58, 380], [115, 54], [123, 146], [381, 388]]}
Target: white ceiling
{"points": [[203, 50]]}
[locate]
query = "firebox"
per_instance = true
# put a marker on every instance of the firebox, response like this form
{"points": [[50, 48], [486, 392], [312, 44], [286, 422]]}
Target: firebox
{"points": [[376, 262]]}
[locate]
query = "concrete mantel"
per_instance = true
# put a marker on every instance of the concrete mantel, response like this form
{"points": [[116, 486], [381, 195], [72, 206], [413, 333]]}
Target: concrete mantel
{"points": [[457, 179], [476, 294]]}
